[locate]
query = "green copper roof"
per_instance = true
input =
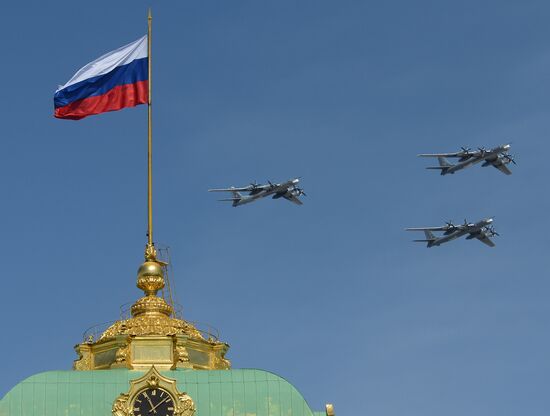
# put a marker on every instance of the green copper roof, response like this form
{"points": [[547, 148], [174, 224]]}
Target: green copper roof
{"points": [[215, 393]]}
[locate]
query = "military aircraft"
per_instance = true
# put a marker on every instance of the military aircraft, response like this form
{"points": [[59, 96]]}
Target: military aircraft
{"points": [[497, 157], [481, 230], [288, 190]]}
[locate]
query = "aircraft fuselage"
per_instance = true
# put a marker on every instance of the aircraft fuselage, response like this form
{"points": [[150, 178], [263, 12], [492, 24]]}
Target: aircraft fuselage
{"points": [[471, 229]]}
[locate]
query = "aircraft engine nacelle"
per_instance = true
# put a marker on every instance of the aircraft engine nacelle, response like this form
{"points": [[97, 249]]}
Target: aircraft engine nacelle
{"points": [[489, 160]]}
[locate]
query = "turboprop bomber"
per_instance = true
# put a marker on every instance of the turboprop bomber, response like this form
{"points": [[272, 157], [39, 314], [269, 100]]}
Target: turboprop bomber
{"points": [[288, 190], [497, 157], [482, 230]]}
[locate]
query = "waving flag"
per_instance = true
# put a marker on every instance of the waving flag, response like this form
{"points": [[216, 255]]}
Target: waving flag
{"points": [[114, 81]]}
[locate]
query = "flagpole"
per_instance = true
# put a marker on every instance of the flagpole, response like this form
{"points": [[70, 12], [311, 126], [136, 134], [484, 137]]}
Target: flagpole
{"points": [[150, 251]]}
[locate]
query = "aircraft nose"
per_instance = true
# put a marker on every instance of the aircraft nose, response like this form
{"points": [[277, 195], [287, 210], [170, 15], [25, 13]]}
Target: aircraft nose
{"points": [[295, 180], [489, 220]]}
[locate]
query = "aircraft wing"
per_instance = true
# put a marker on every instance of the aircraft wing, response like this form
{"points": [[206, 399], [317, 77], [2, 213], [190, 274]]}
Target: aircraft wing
{"points": [[444, 228], [230, 189], [485, 240], [293, 198], [455, 154], [503, 168]]}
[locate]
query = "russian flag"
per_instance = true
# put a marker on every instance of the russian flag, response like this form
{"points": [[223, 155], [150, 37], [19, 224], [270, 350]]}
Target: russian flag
{"points": [[114, 81]]}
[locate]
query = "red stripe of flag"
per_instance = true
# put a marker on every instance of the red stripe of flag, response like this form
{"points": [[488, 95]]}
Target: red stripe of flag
{"points": [[128, 95]]}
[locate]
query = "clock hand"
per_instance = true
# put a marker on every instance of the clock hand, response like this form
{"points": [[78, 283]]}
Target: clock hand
{"points": [[158, 404], [150, 402]]}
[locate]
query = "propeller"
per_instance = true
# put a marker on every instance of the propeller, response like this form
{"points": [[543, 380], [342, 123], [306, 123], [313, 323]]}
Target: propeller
{"points": [[450, 227], [466, 223], [509, 158], [299, 191], [490, 230], [465, 153], [450, 224], [482, 150]]}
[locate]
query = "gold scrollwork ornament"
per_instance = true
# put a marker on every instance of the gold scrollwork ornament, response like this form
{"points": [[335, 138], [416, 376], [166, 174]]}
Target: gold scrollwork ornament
{"points": [[120, 406], [185, 407], [122, 354], [183, 355]]}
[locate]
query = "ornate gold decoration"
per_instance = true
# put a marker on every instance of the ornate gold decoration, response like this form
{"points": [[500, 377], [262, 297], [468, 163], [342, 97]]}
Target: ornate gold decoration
{"points": [[84, 361], [152, 336], [122, 354], [186, 407], [151, 304], [221, 362], [151, 325], [122, 406], [183, 355], [150, 277], [150, 252], [151, 314]]}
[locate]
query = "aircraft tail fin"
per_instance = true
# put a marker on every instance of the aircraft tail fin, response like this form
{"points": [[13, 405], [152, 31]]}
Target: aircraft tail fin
{"points": [[444, 165], [430, 238], [236, 197], [429, 235]]}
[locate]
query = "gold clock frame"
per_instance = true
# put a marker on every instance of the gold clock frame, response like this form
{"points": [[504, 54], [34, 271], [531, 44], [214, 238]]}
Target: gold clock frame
{"points": [[183, 403]]}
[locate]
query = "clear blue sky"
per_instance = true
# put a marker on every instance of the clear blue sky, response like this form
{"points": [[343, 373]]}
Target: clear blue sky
{"points": [[332, 295]]}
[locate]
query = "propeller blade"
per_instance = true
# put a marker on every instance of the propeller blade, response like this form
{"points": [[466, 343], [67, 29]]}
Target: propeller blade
{"points": [[510, 158]]}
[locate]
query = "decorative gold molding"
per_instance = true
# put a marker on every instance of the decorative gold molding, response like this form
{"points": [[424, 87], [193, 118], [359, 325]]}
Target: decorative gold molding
{"points": [[123, 404], [182, 354], [122, 355], [84, 361], [151, 305], [158, 324]]}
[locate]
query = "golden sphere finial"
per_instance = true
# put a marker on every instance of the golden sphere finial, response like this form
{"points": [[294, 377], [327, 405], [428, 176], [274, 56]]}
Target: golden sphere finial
{"points": [[150, 277]]}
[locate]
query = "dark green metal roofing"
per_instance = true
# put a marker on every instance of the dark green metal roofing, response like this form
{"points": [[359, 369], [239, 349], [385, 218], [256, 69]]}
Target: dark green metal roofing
{"points": [[244, 392]]}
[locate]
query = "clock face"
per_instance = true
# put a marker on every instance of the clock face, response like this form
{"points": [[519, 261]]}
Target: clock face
{"points": [[153, 402]]}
